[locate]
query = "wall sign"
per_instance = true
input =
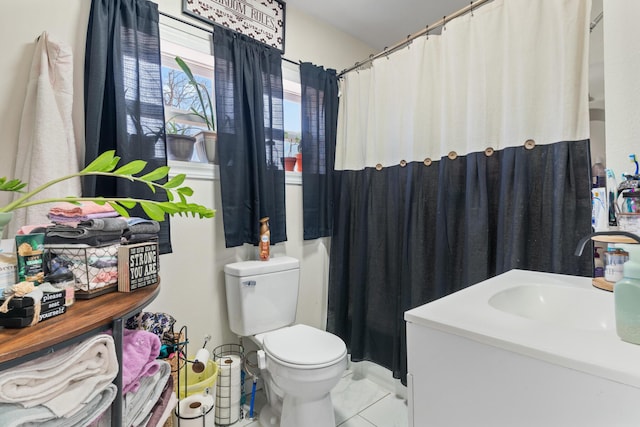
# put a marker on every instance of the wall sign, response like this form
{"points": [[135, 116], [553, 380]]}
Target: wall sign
{"points": [[262, 20]]}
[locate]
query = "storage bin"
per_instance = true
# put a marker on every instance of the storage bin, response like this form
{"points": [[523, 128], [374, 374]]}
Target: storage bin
{"points": [[192, 383], [94, 268]]}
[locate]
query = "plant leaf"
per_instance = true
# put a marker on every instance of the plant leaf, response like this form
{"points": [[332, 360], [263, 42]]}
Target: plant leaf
{"points": [[101, 163], [176, 181], [131, 168], [153, 210], [122, 211], [156, 174], [129, 204], [187, 191]]}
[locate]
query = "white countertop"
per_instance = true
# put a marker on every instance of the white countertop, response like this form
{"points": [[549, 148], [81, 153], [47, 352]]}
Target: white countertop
{"points": [[600, 352]]}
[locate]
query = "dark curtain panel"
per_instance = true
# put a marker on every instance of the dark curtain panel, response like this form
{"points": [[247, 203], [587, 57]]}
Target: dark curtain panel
{"points": [[404, 236], [319, 126], [249, 100], [123, 97]]}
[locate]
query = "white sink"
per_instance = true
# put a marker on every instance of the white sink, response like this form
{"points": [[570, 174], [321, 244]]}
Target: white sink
{"points": [[524, 349], [564, 306]]}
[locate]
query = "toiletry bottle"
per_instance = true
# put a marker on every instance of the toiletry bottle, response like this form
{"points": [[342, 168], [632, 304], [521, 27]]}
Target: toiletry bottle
{"points": [[626, 295], [598, 174], [265, 239]]}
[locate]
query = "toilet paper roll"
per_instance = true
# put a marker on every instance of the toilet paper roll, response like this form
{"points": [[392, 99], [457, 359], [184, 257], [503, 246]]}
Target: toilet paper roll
{"points": [[193, 409], [228, 389], [226, 416], [200, 361]]}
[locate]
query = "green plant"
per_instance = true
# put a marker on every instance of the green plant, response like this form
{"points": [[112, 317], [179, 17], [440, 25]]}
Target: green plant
{"points": [[105, 165], [207, 107]]}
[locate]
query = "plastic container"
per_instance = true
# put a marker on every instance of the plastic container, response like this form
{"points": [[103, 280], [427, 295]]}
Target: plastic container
{"points": [[598, 175], [265, 239], [194, 383], [626, 294]]}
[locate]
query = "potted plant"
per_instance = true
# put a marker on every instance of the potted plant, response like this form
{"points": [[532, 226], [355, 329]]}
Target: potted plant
{"points": [[291, 160], [205, 112], [180, 144], [105, 165]]}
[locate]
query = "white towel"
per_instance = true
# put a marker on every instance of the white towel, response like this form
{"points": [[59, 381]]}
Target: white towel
{"points": [[138, 404], [14, 415], [65, 380], [46, 130]]}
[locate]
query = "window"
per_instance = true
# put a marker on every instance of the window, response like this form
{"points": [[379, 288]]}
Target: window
{"points": [[194, 47]]}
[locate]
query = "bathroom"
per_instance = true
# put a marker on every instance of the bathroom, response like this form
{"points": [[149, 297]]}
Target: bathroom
{"points": [[196, 295]]}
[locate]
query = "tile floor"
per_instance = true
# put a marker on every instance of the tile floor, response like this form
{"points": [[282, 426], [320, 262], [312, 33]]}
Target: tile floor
{"points": [[358, 402]]}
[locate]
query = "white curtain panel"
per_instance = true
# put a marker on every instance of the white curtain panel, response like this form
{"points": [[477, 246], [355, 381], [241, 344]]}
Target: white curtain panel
{"points": [[513, 70]]}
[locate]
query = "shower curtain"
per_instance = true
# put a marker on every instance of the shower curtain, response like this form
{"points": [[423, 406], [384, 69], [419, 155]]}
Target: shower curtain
{"points": [[438, 189]]}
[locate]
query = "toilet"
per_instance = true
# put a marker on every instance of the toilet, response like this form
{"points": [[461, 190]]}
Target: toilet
{"points": [[298, 363]]}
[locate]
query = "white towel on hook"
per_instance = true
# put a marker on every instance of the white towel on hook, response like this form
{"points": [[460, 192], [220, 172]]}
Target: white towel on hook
{"points": [[46, 144]]}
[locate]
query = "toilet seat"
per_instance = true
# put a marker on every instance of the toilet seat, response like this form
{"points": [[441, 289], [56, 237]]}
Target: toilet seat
{"points": [[304, 347]]}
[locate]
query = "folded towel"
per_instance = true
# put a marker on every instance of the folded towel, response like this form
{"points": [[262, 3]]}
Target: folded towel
{"points": [[140, 349], [137, 225], [138, 404], [163, 407], [80, 209], [104, 224], [62, 381], [74, 220], [14, 415]]}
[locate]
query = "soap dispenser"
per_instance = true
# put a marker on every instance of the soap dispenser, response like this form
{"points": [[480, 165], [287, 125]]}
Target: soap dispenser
{"points": [[626, 294]]}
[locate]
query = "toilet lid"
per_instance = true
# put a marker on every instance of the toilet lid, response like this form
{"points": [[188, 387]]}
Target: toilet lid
{"points": [[304, 345]]}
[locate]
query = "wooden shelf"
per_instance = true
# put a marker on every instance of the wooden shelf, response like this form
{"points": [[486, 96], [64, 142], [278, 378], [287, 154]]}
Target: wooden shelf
{"points": [[83, 317], [612, 239], [601, 283]]}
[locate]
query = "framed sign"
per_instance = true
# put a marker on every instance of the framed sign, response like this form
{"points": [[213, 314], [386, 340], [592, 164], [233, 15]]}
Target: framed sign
{"points": [[262, 20]]}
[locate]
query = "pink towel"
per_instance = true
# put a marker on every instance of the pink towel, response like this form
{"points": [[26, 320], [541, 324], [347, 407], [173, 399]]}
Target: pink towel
{"points": [[140, 349], [84, 208]]}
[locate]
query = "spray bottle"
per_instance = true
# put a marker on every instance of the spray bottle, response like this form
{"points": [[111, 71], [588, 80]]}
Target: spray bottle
{"points": [[265, 239]]}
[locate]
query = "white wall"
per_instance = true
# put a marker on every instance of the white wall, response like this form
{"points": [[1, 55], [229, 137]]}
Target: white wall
{"points": [[622, 83], [192, 277]]}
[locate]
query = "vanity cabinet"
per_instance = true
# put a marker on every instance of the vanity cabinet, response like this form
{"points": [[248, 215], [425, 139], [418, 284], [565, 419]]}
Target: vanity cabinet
{"points": [[82, 320]]}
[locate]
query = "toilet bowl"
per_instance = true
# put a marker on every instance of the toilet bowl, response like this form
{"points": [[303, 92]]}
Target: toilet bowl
{"points": [[302, 364], [298, 363]]}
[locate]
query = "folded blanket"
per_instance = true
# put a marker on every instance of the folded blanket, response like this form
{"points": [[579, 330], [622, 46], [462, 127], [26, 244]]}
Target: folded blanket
{"points": [[82, 208], [140, 349], [14, 415], [65, 380], [138, 404]]}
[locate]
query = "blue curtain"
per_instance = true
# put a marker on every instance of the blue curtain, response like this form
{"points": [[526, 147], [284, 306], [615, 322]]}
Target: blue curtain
{"points": [[249, 112], [123, 97], [319, 125], [404, 236]]}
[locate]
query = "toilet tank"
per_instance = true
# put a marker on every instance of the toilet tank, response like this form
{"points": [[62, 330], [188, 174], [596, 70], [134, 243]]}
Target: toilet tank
{"points": [[261, 295]]}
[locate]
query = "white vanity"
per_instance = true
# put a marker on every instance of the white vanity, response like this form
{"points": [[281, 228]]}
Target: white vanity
{"points": [[521, 349]]}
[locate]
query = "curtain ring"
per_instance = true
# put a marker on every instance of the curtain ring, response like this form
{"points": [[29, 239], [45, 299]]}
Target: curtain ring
{"points": [[403, 163], [427, 30], [529, 144], [452, 155], [471, 4], [427, 161], [379, 167], [489, 151], [444, 23]]}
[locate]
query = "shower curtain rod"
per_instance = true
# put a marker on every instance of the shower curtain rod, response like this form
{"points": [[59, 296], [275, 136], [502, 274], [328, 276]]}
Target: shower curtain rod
{"points": [[387, 50], [207, 30]]}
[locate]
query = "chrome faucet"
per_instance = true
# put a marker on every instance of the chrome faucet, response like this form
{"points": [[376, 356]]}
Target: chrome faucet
{"points": [[585, 239]]}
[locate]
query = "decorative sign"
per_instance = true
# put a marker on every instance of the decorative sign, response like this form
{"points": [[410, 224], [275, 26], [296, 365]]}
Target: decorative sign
{"points": [[262, 20], [138, 266]]}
